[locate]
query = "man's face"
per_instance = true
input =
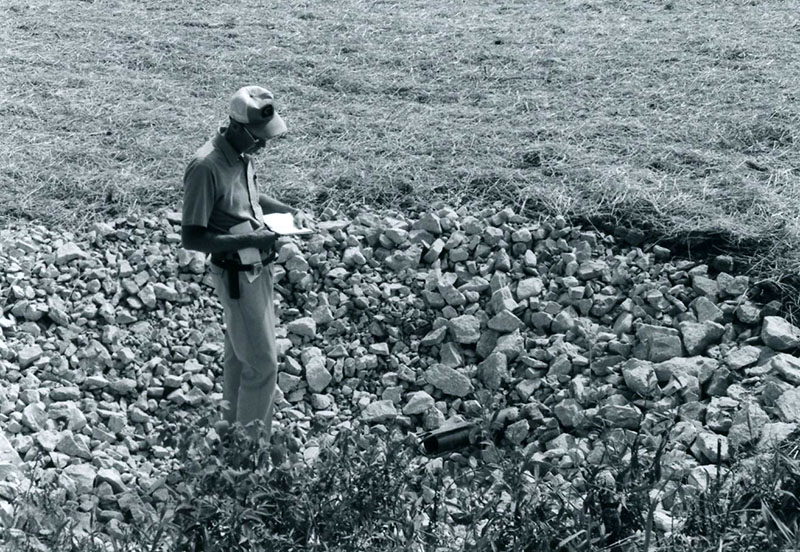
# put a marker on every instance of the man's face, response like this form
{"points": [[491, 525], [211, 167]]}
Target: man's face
{"points": [[258, 138]]}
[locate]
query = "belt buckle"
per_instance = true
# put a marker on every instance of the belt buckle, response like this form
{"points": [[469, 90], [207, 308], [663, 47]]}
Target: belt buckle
{"points": [[256, 269]]}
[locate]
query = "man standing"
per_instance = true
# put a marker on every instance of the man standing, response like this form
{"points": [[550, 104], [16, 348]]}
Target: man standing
{"points": [[222, 214]]}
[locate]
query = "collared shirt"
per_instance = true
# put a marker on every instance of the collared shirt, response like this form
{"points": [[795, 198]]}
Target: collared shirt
{"points": [[219, 188]]}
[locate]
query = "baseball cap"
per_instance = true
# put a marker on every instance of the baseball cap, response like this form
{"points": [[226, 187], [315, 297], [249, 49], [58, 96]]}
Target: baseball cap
{"points": [[253, 106]]}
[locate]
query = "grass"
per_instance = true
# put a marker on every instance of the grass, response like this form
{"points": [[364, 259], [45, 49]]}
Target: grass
{"points": [[678, 118], [370, 490]]}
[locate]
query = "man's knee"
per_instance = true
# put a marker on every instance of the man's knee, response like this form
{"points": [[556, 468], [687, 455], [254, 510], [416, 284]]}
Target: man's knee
{"points": [[262, 372]]}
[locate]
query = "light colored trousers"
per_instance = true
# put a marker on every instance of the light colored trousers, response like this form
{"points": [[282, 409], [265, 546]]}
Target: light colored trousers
{"points": [[251, 360]]}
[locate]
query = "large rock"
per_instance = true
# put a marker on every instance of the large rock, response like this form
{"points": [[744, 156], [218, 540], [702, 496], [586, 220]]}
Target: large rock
{"points": [[698, 366], [697, 337], [775, 433], [465, 329], [742, 357], [787, 367], [418, 402], [305, 327], [379, 411], [448, 380], [658, 343], [529, 287], [640, 377], [317, 375], [28, 355], [493, 371], [747, 424], [83, 475], [788, 406], [69, 252], [10, 461], [778, 334], [511, 345], [624, 416], [710, 448]]}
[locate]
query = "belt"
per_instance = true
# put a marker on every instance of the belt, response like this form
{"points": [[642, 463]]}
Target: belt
{"points": [[234, 267]]}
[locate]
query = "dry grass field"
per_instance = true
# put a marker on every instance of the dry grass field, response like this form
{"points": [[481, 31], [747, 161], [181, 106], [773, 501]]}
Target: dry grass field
{"points": [[679, 118]]}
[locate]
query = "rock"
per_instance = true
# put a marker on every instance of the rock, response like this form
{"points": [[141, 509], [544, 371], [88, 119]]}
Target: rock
{"points": [[505, 322], [418, 402], [405, 259], [570, 413], [511, 345], [743, 356], [379, 411], [589, 270], [353, 256], [165, 292], [698, 366], [10, 460], [697, 337], [73, 446], [704, 477], [34, 417], [304, 327], [778, 334], [69, 252], [640, 377], [775, 433], [435, 337], [83, 475], [703, 285], [131, 502], [493, 371], [451, 295], [517, 432], [788, 406], [710, 448], [747, 423], [747, 313], [563, 322], [624, 416], [122, 386], [317, 375], [448, 380], [706, 310], [113, 478], [658, 343], [450, 354], [430, 223], [147, 295], [48, 439], [65, 394], [529, 287], [28, 355], [465, 329], [787, 367], [502, 300], [719, 382]]}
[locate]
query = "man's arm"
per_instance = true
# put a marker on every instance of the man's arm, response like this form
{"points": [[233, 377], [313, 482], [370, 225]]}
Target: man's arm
{"points": [[272, 205], [199, 238]]}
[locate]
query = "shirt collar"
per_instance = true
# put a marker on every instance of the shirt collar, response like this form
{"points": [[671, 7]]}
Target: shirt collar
{"points": [[226, 148]]}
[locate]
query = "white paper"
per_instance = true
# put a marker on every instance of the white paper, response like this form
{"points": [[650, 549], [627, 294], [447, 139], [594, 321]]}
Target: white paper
{"points": [[283, 223]]}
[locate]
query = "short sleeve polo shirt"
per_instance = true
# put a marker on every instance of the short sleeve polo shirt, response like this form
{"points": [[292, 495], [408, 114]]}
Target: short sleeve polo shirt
{"points": [[219, 188]]}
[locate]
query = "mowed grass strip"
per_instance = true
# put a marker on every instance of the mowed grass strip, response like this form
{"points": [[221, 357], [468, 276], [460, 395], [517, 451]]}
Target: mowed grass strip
{"points": [[677, 117]]}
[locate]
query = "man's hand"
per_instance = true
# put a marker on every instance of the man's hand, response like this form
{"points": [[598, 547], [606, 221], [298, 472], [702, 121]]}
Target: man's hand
{"points": [[303, 219], [263, 239]]}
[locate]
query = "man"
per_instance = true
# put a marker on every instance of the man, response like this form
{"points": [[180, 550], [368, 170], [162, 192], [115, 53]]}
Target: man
{"points": [[222, 214]]}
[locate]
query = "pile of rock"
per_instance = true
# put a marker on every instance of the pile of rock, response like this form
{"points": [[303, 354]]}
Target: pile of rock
{"points": [[577, 339]]}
